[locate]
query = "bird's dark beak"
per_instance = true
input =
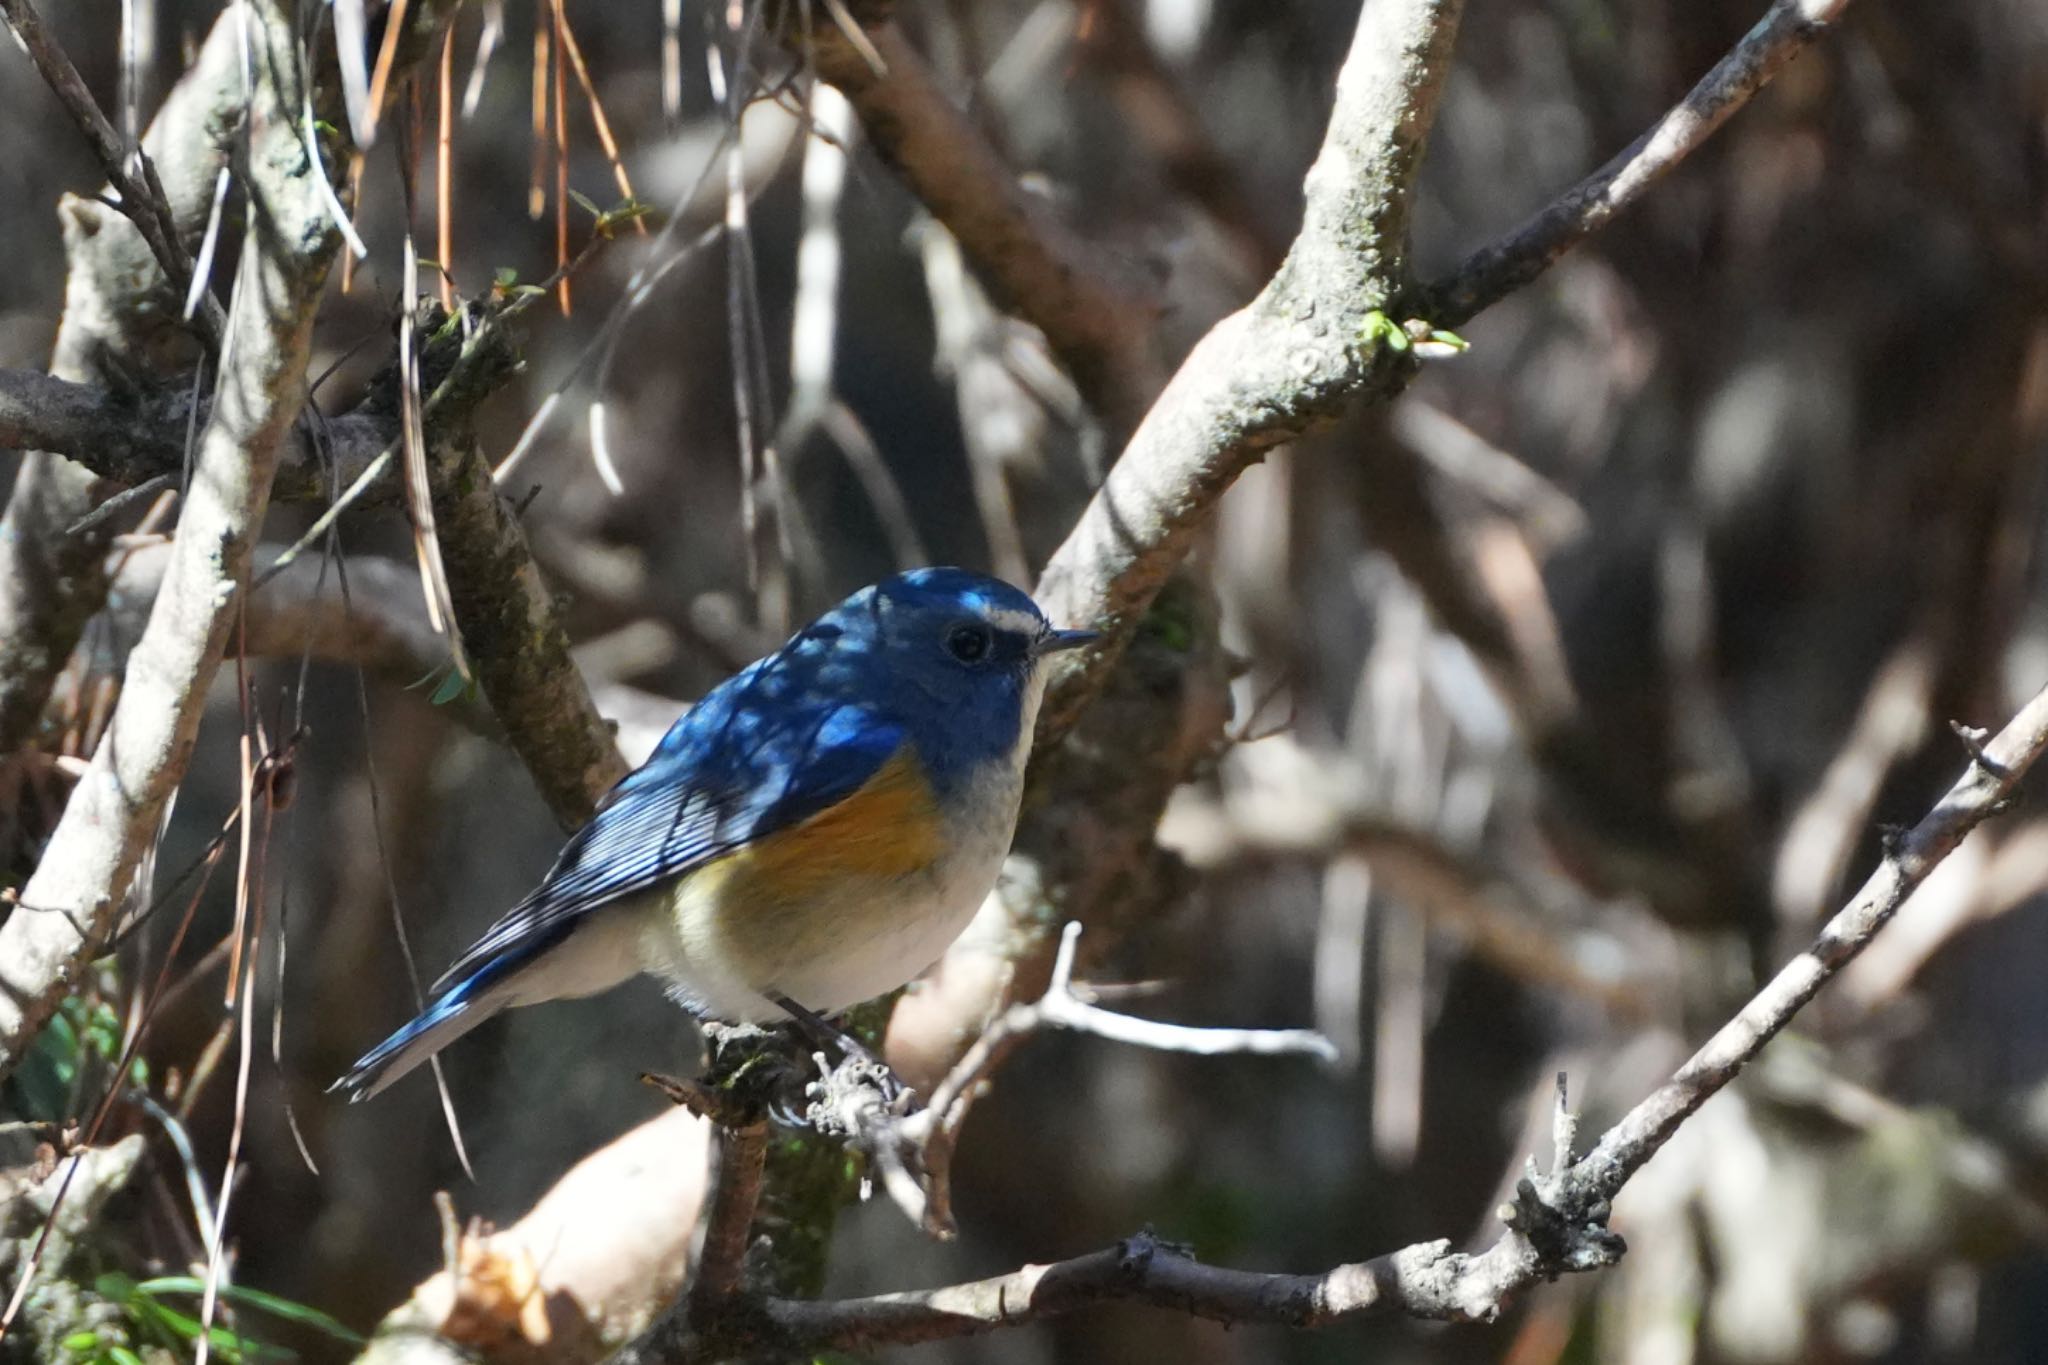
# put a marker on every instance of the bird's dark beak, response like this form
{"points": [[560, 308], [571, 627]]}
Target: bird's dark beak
{"points": [[1053, 641]]}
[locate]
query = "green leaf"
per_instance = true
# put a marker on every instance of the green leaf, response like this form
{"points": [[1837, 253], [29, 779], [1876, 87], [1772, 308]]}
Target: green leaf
{"points": [[81, 1341], [585, 202], [121, 1355], [114, 1287], [504, 277], [452, 687], [275, 1304], [625, 211]]}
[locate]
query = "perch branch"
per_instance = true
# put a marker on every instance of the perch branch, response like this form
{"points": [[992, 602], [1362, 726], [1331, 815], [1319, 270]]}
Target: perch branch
{"points": [[742, 1156], [1556, 1223]]}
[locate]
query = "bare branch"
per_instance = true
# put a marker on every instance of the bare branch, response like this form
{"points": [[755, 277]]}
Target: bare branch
{"points": [[380, 626], [121, 311], [935, 1131], [1030, 263], [1980, 792], [118, 311], [742, 1154], [589, 1282], [1498, 269], [507, 615], [1314, 339], [517, 644]]}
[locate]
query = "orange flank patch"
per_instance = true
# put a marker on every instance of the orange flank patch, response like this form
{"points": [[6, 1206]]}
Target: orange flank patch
{"points": [[888, 828], [808, 893]]}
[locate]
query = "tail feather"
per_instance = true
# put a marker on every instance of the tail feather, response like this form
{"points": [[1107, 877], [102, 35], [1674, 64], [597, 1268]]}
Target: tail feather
{"points": [[550, 966], [438, 1025]]}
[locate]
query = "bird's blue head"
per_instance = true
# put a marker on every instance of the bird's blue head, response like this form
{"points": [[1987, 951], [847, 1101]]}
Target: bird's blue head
{"points": [[956, 657]]}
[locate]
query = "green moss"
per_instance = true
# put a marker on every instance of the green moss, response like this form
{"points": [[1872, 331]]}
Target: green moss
{"points": [[809, 1180]]}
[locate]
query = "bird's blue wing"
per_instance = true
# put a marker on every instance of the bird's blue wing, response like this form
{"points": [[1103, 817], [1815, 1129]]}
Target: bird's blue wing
{"points": [[763, 751]]}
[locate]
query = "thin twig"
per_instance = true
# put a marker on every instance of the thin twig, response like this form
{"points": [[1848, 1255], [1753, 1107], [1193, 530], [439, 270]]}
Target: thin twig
{"points": [[934, 1132], [141, 195], [1501, 267], [1979, 793]]}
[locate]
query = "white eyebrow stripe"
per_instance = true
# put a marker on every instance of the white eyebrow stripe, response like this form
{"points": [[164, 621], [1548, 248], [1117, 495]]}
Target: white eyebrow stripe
{"points": [[1012, 618]]}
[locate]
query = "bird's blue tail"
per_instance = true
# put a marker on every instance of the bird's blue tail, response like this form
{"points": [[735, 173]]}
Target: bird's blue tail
{"points": [[462, 1008]]}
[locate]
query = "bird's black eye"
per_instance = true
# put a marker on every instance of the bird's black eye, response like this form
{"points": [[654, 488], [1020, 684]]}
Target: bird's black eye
{"points": [[969, 643]]}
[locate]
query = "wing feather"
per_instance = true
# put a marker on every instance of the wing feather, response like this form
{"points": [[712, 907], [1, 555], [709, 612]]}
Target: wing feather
{"points": [[756, 755]]}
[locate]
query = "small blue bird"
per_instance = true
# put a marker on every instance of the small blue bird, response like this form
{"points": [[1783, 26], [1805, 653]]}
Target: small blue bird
{"points": [[814, 833]]}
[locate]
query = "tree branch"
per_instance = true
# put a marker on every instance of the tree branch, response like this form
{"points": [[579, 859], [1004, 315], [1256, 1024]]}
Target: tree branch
{"points": [[129, 440], [1556, 1222], [82, 881], [1315, 340], [506, 613], [1030, 263], [121, 316], [118, 313], [133, 177], [589, 1283], [1498, 269], [381, 625], [1982, 791], [517, 644], [933, 1132]]}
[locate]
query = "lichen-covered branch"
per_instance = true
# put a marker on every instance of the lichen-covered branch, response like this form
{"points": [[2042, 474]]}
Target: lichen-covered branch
{"points": [[122, 321], [81, 883], [118, 312]]}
